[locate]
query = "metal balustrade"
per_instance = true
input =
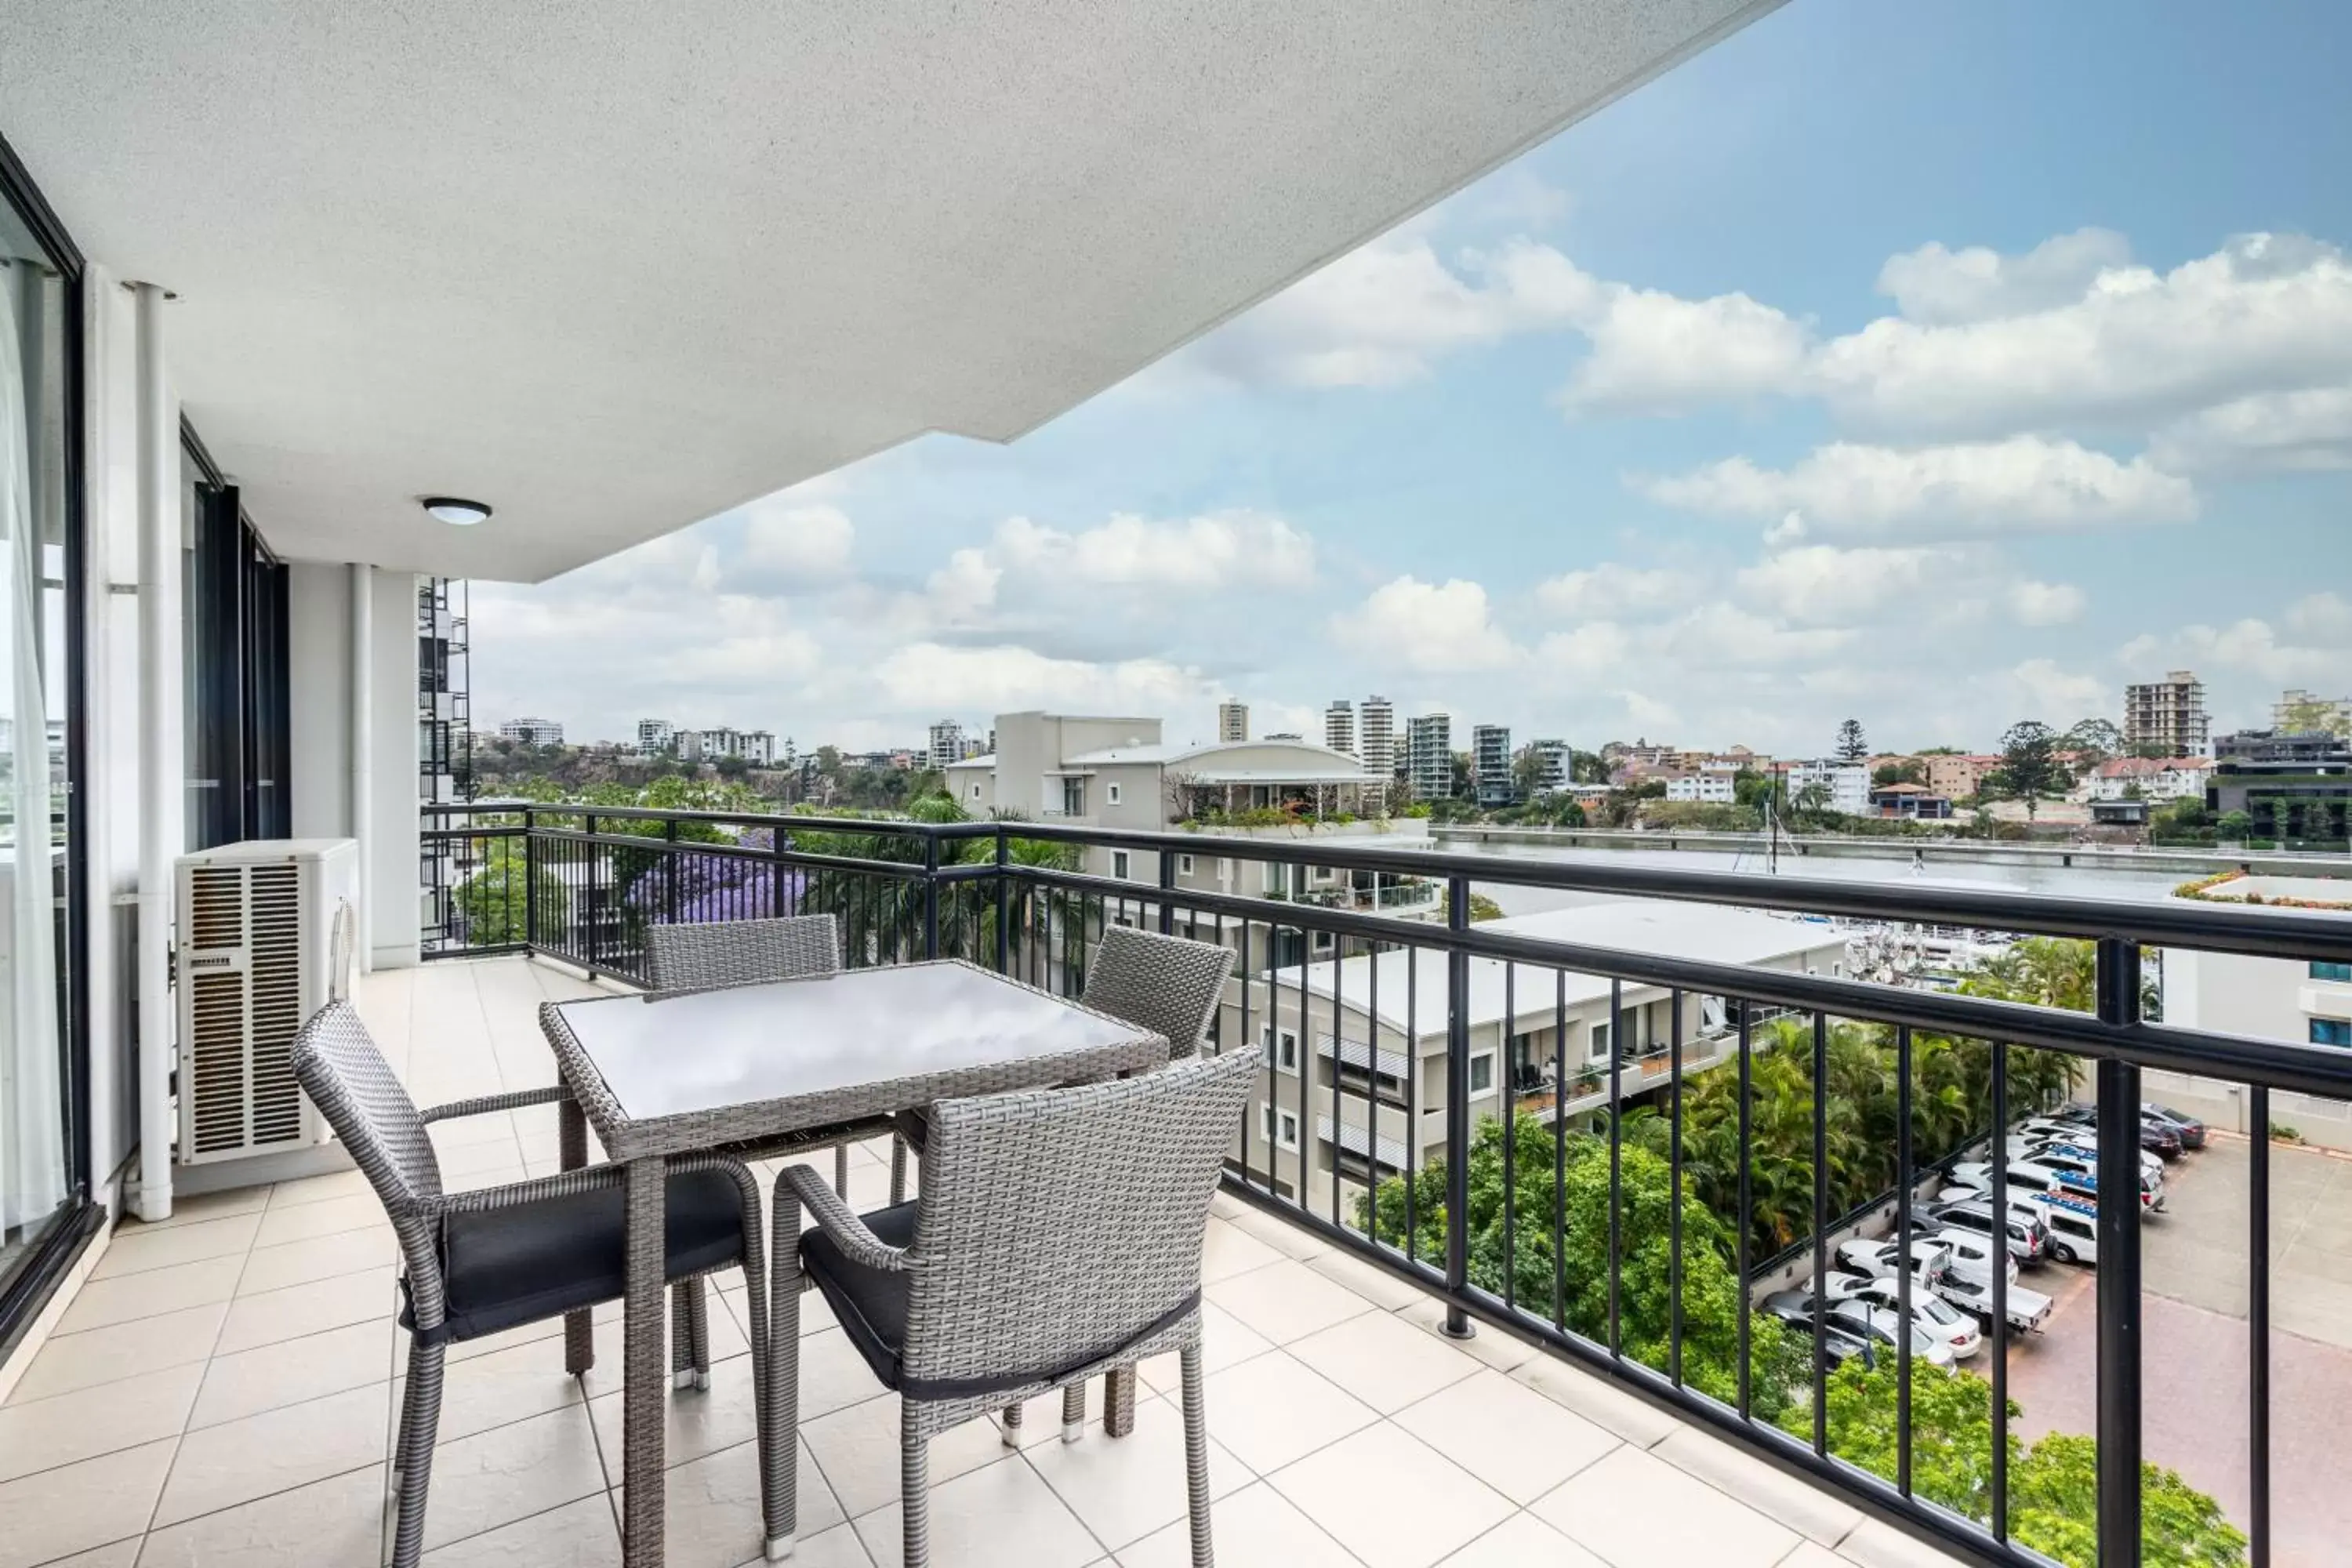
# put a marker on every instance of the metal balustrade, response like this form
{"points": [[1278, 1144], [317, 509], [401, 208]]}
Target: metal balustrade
{"points": [[582, 885]]}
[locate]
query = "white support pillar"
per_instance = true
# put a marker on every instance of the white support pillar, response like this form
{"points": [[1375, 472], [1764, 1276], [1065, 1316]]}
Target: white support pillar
{"points": [[161, 766], [363, 756]]}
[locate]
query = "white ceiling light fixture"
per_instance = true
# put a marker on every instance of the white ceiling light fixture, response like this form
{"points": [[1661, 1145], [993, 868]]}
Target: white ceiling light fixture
{"points": [[456, 512]]}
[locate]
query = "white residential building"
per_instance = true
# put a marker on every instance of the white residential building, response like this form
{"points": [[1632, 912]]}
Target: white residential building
{"points": [[1340, 727], [2155, 778], [1490, 765], [1553, 755], [946, 746], [2167, 716], [1376, 732], [759, 748], [1429, 756], [656, 737], [1233, 723], [533, 732], [1711, 785], [1845, 786]]}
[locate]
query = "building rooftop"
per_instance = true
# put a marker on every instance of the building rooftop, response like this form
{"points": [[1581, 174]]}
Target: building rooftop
{"points": [[1413, 990]]}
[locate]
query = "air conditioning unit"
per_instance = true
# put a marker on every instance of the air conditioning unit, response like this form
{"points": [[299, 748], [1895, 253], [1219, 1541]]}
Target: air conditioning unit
{"points": [[257, 956]]}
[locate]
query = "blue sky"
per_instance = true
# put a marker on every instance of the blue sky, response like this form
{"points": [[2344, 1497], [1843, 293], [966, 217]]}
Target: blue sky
{"points": [[1941, 364]]}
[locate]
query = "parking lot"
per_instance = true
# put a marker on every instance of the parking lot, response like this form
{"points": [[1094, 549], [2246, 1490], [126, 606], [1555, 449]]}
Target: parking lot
{"points": [[2195, 1349]]}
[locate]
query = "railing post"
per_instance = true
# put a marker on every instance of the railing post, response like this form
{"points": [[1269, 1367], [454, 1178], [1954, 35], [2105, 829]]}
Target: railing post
{"points": [[1457, 1109], [1166, 890], [529, 884], [2119, 1267], [588, 894], [669, 867], [931, 894], [1003, 902]]}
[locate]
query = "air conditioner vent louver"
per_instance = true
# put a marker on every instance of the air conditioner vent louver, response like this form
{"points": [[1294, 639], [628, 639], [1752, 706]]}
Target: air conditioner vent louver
{"points": [[256, 922]]}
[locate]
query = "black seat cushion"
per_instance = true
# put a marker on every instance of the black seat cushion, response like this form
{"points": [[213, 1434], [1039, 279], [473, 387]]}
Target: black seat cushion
{"points": [[510, 1266], [870, 1302]]}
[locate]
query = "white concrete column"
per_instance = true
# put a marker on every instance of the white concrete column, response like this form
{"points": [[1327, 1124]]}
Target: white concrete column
{"points": [[162, 762]]}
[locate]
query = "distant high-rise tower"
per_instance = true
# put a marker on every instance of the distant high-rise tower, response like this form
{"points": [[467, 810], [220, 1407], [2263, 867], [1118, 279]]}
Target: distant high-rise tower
{"points": [[1340, 727], [2167, 716], [1490, 765], [947, 743], [1376, 727], [1233, 721], [1429, 748]]}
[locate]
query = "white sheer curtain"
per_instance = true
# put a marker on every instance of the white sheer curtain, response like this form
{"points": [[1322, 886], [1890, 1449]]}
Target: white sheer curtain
{"points": [[32, 1130]]}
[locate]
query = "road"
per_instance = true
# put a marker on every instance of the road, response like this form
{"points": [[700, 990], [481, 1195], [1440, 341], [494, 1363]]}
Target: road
{"points": [[2194, 1414]]}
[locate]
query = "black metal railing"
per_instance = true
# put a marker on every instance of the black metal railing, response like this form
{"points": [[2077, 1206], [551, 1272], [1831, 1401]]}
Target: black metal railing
{"points": [[1631, 1237]]}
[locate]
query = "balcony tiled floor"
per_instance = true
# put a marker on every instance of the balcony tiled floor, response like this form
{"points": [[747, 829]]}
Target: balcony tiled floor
{"points": [[222, 1392]]}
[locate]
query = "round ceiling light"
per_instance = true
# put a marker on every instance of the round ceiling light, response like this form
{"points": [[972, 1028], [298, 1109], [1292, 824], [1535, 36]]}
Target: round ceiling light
{"points": [[457, 511]]}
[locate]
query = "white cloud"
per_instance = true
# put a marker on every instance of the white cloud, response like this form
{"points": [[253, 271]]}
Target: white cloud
{"points": [[781, 655], [2254, 644], [2323, 617], [1943, 286], [1724, 635], [2022, 484], [1823, 584], [1438, 628], [1594, 645], [2264, 314], [962, 592], [932, 675], [1655, 353], [2036, 604], [785, 545], [1378, 316], [2310, 429], [1610, 589], [1212, 551], [2059, 697]]}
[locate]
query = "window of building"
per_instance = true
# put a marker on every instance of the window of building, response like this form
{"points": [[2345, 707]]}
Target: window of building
{"points": [[1184, 864], [2322, 970], [1281, 1047], [1074, 797], [2331, 1031], [1482, 1073], [1322, 941], [1110, 793], [1599, 1042], [1118, 864], [975, 791], [1279, 1128]]}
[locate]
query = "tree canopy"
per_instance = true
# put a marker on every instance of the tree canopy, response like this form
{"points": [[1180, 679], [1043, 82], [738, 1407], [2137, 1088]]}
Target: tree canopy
{"points": [[2030, 768], [1850, 746]]}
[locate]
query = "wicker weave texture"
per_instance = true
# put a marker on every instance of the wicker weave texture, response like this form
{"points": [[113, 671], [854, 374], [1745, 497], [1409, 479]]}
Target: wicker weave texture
{"points": [[1167, 983], [741, 953]]}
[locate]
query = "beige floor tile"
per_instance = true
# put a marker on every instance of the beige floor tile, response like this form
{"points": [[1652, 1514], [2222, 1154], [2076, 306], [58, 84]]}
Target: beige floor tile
{"points": [[293, 1373], [138, 1250], [1254, 1525], [836, 1548], [1504, 1352], [1876, 1545], [1341, 1488], [298, 1309], [999, 1516], [198, 1208], [507, 1385], [511, 1472], [238, 1461], [320, 1257], [122, 1555], [469, 1132], [1227, 1250], [335, 1184], [1807, 1554], [1596, 1401], [1636, 1510], [580, 1534], [150, 1294], [697, 1422], [711, 1515], [1274, 1410], [69, 1361], [833, 1375], [337, 1523], [464, 1165], [1522, 1541], [1124, 1489], [1223, 1343], [726, 1342], [301, 1222], [1286, 1300], [1385, 1363], [1387, 1290], [1290, 1240], [1808, 1509], [62, 1512], [491, 1344], [71, 1427], [858, 1447], [1506, 1434]]}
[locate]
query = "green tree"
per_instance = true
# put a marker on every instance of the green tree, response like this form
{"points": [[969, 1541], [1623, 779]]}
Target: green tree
{"points": [[1850, 746], [1586, 767], [495, 902], [2096, 740], [2030, 768], [1910, 769], [2301, 713]]}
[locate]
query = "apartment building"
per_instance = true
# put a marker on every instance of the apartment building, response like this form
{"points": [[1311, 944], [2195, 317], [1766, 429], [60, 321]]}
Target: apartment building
{"points": [[1843, 787], [1490, 765], [946, 743], [1552, 759], [533, 732], [1429, 756], [2147, 778], [2166, 716], [1233, 723], [1377, 1026], [656, 737], [2291, 786], [2299, 709], [1340, 727], [1376, 727], [444, 700], [1713, 785], [1958, 777], [2306, 1003]]}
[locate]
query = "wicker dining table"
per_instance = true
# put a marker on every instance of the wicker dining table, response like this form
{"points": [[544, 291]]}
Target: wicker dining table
{"points": [[658, 1077]]}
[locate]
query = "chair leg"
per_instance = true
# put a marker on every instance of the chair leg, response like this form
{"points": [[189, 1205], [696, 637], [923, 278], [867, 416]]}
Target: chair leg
{"points": [[898, 1171], [413, 1391], [420, 1422], [1196, 1456], [915, 1487], [681, 1334], [841, 1169], [1073, 1410], [780, 1419], [1118, 1401], [1010, 1429], [697, 1345], [572, 1151]]}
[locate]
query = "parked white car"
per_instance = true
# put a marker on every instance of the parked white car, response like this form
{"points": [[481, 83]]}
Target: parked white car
{"points": [[2074, 1224], [1973, 1254], [2027, 1309], [1877, 1259], [2029, 1142], [1884, 1326], [1930, 1312]]}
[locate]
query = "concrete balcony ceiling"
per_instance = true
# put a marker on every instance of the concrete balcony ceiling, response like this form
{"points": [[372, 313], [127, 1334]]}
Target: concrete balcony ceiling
{"points": [[613, 268]]}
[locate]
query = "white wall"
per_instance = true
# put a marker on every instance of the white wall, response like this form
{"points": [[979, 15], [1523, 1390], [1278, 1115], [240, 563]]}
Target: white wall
{"points": [[319, 697]]}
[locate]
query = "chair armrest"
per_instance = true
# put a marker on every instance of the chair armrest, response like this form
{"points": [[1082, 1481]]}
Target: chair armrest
{"points": [[513, 1194], [489, 1103], [836, 1220]]}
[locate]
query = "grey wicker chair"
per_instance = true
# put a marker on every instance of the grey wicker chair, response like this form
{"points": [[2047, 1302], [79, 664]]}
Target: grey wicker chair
{"points": [[1058, 1235], [481, 1262], [1169, 985]]}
